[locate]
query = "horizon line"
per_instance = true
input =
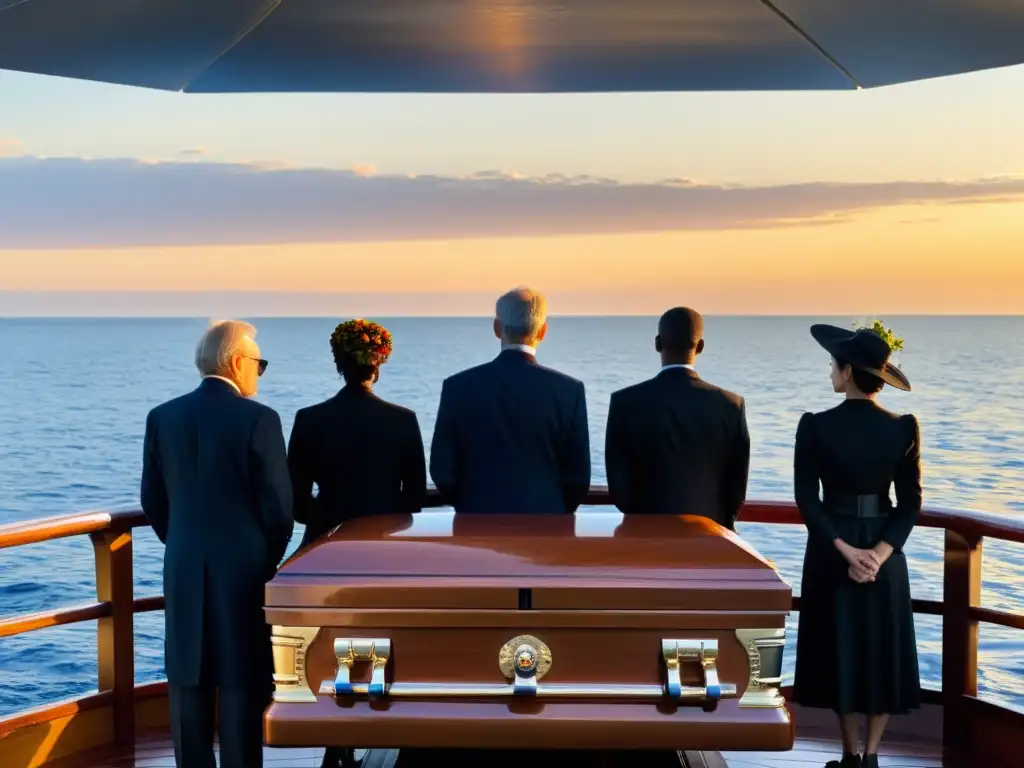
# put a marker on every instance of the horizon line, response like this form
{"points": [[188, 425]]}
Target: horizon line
{"points": [[569, 315]]}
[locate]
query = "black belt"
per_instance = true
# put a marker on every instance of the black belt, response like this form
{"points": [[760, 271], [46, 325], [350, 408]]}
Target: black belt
{"points": [[858, 504]]}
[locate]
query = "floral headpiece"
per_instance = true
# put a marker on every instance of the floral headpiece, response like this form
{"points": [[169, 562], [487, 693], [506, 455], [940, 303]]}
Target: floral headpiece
{"points": [[366, 342], [878, 327]]}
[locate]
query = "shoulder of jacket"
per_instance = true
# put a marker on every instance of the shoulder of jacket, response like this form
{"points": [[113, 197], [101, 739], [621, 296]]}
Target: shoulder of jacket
{"points": [[456, 379], [563, 379], [911, 422], [260, 411], [635, 390], [724, 394]]}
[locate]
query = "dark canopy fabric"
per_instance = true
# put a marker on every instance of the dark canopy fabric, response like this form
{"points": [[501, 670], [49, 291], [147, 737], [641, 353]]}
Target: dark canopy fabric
{"points": [[218, 46]]}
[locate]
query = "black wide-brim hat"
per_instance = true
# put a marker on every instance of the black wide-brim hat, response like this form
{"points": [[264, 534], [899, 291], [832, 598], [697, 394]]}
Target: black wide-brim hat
{"points": [[863, 349]]}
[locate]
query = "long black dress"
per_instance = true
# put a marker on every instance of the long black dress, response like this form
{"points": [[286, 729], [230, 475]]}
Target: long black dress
{"points": [[856, 649]]}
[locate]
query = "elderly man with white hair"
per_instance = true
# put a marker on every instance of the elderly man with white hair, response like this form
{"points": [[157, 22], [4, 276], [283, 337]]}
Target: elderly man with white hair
{"points": [[215, 488], [511, 435]]}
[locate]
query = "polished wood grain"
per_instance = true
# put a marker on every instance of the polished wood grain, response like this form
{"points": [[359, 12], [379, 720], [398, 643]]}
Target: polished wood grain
{"points": [[961, 591], [970, 524], [538, 724], [27, 623], [606, 561], [112, 552]]}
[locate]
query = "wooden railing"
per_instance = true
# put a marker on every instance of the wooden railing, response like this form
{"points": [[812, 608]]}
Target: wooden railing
{"points": [[115, 606]]}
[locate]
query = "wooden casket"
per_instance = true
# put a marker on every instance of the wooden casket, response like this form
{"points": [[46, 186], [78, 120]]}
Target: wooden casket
{"points": [[591, 631]]}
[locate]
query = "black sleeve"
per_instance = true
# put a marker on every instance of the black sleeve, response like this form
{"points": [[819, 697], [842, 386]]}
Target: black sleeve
{"points": [[907, 482], [807, 483], [444, 459], [272, 486], [413, 469], [576, 459], [737, 470], [300, 471], [617, 464], [153, 492]]}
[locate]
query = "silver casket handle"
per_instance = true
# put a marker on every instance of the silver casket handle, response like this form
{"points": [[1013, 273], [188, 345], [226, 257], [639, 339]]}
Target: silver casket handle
{"points": [[524, 661]]}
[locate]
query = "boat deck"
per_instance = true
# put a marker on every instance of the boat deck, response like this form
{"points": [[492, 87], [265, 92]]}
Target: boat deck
{"points": [[154, 750], [70, 734]]}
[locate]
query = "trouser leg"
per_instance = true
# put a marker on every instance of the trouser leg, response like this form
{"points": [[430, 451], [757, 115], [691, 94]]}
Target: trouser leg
{"points": [[334, 758], [241, 727], [192, 715]]}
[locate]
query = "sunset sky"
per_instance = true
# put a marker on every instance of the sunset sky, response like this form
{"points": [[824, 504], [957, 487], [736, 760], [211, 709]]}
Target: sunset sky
{"points": [[901, 200]]}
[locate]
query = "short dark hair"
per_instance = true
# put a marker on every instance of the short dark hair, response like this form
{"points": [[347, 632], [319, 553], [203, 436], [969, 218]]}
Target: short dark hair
{"points": [[866, 382], [680, 329], [351, 371]]}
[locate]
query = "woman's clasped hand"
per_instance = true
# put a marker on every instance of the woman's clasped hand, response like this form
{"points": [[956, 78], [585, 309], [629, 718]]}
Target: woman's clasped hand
{"points": [[864, 563]]}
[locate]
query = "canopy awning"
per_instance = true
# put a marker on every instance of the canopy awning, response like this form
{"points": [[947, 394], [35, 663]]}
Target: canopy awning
{"points": [[508, 46]]}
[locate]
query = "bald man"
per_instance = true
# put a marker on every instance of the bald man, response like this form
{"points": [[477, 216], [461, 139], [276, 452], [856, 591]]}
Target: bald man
{"points": [[676, 444]]}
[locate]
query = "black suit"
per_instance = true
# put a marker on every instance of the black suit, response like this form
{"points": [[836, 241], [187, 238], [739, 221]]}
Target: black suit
{"points": [[215, 489], [678, 445], [511, 437], [364, 454]]}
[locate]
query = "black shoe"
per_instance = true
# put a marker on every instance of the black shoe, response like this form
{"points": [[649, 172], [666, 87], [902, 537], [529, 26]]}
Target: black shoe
{"points": [[849, 761], [869, 761], [335, 757]]}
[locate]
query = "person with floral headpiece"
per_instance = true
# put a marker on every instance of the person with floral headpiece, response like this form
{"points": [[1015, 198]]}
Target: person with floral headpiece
{"points": [[364, 455], [858, 654]]}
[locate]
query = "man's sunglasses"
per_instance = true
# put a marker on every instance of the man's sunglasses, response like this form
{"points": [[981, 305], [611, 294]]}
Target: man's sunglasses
{"points": [[262, 364]]}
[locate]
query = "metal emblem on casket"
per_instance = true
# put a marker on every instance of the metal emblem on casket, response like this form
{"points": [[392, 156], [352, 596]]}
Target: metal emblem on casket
{"points": [[524, 657]]}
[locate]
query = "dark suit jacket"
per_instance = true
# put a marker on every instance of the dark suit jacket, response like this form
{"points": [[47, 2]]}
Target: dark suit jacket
{"points": [[215, 489], [364, 454], [511, 437], [678, 445]]}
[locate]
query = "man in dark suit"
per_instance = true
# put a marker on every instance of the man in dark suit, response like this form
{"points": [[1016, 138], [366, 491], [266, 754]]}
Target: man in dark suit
{"points": [[215, 488], [676, 444], [511, 435]]}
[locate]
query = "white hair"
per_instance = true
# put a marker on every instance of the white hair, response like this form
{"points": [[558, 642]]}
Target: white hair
{"points": [[222, 340], [522, 312]]}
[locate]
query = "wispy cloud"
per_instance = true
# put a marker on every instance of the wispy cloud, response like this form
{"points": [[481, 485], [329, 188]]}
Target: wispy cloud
{"points": [[78, 203]]}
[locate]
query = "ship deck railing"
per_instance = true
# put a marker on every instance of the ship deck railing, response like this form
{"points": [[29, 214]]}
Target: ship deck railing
{"points": [[120, 709]]}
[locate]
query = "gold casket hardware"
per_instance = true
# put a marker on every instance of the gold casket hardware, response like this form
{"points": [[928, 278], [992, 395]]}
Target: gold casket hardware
{"points": [[350, 651], [764, 649], [530, 659]]}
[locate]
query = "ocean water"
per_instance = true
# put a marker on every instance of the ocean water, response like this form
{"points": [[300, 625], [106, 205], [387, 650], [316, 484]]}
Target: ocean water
{"points": [[74, 395]]}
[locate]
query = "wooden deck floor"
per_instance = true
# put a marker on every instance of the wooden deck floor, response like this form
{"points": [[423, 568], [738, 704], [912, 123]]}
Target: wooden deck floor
{"points": [[154, 750]]}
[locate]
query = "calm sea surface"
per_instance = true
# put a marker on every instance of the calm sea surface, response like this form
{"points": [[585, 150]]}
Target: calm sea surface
{"points": [[74, 396]]}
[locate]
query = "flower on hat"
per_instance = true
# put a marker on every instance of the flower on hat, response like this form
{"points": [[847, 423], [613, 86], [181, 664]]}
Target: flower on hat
{"points": [[366, 342], [877, 326]]}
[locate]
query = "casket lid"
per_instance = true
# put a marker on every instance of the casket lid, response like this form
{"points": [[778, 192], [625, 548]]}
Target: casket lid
{"points": [[592, 559]]}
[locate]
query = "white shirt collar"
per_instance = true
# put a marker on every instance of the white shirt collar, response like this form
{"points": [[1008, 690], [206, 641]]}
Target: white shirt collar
{"points": [[687, 366], [229, 381], [532, 351]]}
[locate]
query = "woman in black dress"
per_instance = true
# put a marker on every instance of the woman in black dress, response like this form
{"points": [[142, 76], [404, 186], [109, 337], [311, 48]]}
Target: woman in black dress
{"points": [[364, 454], [856, 650]]}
